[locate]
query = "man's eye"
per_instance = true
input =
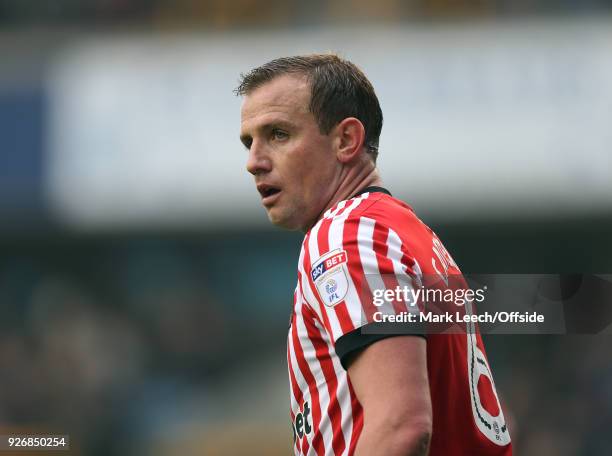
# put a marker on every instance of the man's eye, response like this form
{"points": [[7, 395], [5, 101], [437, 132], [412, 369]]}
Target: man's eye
{"points": [[279, 134]]}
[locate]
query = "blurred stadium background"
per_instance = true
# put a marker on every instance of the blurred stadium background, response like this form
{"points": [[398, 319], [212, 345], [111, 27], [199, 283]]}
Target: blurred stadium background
{"points": [[144, 298]]}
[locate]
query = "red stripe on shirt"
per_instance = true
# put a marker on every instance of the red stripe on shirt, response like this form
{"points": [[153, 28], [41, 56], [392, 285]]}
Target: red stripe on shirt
{"points": [[317, 442], [327, 367]]}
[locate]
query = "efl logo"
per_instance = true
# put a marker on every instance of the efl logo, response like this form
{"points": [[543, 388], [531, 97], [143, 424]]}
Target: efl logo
{"points": [[330, 277], [336, 259]]}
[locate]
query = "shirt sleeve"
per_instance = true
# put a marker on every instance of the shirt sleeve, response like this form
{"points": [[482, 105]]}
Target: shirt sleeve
{"points": [[348, 265]]}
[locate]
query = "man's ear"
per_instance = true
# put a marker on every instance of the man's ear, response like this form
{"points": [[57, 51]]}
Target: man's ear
{"points": [[350, 139]]}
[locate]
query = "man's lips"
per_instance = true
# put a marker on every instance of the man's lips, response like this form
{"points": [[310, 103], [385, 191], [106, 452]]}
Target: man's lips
{"points": [[269, 193], [271, 199]]}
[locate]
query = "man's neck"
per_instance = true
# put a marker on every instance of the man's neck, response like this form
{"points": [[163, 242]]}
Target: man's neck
{"points": [[354, 181]]}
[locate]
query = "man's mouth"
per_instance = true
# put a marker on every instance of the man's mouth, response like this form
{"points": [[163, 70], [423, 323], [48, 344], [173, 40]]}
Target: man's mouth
{"points": [[269, 193]]}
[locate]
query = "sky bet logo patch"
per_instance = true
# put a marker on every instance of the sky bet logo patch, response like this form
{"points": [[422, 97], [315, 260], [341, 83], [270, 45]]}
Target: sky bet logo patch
{"points": [[327, 262], [330, 277]]}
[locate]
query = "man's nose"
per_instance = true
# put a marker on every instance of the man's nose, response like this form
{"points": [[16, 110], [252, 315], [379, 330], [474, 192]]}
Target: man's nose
{"points": [[258, 161]]}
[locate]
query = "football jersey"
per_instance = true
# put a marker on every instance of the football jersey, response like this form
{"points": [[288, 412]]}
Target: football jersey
{"points": [[356, 241]]}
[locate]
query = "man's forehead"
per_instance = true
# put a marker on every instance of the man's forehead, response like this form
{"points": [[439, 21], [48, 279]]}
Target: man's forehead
{"points": [[287, 93]]}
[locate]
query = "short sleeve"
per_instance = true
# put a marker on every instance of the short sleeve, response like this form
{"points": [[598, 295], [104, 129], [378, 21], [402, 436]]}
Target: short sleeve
{"points": [[347, 266]]}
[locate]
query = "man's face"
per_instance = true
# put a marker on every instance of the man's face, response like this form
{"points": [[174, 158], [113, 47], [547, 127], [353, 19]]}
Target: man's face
{"points": [[294, 165]]}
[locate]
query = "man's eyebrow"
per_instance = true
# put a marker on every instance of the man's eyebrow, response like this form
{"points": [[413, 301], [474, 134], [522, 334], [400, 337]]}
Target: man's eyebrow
{"points": [[281, 123], [276, 124]]}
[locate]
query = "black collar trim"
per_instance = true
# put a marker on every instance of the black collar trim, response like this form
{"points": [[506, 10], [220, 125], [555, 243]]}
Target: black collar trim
{"points": [[372, 189]]}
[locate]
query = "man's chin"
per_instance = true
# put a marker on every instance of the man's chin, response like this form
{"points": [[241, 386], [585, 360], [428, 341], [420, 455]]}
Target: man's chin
{"points": [[283, 220]]}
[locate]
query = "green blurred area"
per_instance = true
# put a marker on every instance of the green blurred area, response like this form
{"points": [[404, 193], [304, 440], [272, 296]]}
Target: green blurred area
{"points": [[173, 343]]}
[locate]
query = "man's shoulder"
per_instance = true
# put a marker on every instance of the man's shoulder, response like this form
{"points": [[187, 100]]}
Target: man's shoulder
{"points": [[356, 220], [378, 206], [383, 210]]}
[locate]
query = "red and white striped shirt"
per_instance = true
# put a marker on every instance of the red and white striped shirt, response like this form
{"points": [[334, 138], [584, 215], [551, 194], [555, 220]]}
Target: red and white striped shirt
{"points": [[359, 239]]}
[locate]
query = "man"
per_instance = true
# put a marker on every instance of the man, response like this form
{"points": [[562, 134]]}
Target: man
{"points": [[311, 125]]}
